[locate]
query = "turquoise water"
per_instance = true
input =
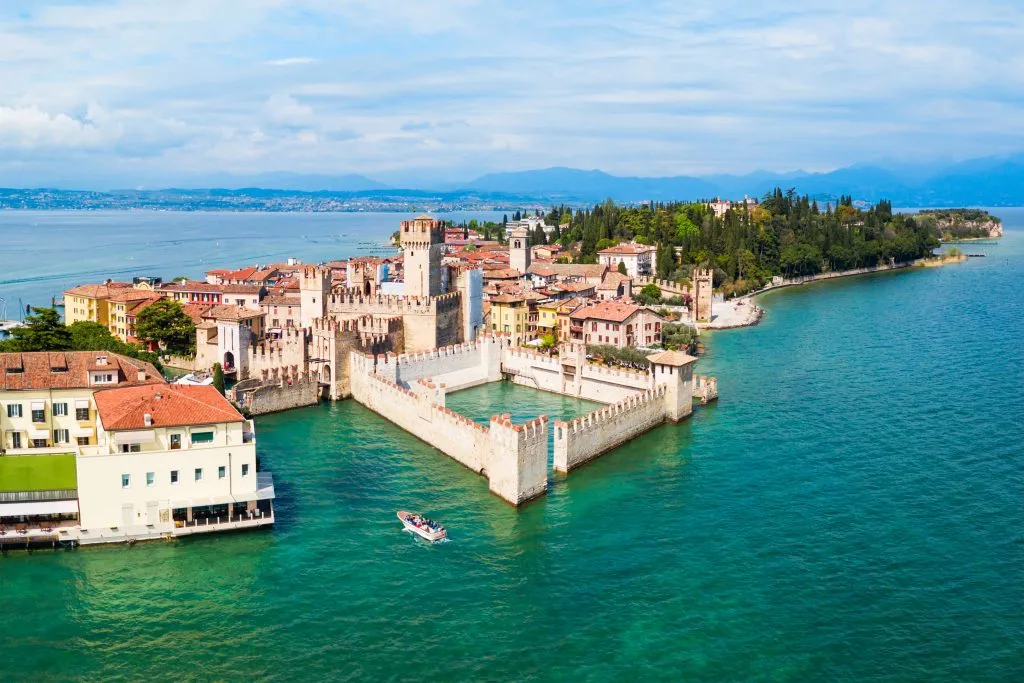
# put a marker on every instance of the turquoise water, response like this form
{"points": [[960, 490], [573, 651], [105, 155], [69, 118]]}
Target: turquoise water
{"points": [[850, 510]]}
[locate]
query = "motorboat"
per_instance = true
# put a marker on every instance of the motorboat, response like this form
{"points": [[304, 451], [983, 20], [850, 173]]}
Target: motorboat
{"points": [[421, 526]]}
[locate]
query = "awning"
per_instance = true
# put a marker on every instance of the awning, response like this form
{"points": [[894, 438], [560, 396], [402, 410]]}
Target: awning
{"points": [[81, 403], [53, 507], [38, 405], [39, 434], [83, 431], [203, 502], [122, 438]]}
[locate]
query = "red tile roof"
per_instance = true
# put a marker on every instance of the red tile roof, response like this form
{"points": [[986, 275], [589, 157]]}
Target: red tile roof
{"points": [[227, 312], [171, 405], [69, 370], [612, 311], [628, 249], [98, 291]]}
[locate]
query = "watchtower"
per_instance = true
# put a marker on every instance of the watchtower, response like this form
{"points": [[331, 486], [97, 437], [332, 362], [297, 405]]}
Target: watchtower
{"points": [[703, 293], [423, 248], [519, 250], [314, 288], [674, 369]]}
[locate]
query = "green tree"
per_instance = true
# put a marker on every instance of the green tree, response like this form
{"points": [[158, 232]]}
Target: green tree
{"points": [[218, 377], [91, 336], [649, 295], [165, 322], [43, 331], [622, 268]]}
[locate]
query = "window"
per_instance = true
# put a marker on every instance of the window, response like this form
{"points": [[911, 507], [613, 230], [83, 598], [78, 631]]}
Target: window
{"points": [[61, 436], [199, 474], [245, 469], [130, 448], [126, 481], [60, 409], [39, 414], [82, 414], [174, 476], [13, 410], [15, 439], [150, 478], [222, 472], [83, 441], [38, 443], [202, 437], [175, 442]]}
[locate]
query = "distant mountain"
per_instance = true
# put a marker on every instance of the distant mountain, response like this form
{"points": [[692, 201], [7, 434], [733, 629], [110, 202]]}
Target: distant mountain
{"points": [[570, 184], [993, 181]]}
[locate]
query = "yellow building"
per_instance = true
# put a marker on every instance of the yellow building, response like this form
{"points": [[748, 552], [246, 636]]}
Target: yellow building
{"points": [[547, 317], [510, 316], [91, 302], [122, 308]]}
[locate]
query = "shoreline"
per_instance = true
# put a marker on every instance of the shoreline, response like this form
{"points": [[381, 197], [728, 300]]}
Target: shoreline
{"points": [[752, 314]]}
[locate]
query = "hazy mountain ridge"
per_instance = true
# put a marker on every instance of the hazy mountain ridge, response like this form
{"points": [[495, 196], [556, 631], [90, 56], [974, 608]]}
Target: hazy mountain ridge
{"points": [[992, 181]]}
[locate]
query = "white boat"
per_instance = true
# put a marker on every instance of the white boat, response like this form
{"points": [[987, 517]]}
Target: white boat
{"points": [[196, 380], [422, 527]]}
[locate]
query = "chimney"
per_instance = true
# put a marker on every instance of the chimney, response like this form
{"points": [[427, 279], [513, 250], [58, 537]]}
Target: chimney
{"points": [[148, 419], [141, 376], [157, 396]]}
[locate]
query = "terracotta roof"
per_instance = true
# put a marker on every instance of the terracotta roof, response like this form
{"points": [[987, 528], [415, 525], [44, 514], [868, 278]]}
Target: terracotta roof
{"points": [[69, 369], [98, 291], [613, 311], [507, 299], [135, 295], [228, 312], [194, 286], [629, 249], [570, 305], [281, 300], [241, 289], [588, 270], [675, 358], [501, 274], [171, 405], [196, 311]]}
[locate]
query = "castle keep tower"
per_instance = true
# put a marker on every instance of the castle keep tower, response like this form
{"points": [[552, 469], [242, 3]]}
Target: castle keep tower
{"points": [[314, 288], [702, 294], [519, 250], [423, 247]]}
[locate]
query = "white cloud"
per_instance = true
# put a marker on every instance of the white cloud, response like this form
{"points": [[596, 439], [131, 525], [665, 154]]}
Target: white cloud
{"points": [[290, 61]]}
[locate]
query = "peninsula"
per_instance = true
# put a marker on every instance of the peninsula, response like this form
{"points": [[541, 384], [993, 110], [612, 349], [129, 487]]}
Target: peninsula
{"points": [[602, 304]]}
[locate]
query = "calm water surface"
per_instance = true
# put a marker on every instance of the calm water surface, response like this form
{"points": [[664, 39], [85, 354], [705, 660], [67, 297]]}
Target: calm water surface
{"points": [[850, 510]]}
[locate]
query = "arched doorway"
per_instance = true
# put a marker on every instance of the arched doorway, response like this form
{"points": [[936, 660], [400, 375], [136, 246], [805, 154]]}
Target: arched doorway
{"points": [[325, 374], [229, 361]]}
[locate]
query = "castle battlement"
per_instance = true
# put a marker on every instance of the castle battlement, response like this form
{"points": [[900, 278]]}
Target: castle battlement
{"points": [[603, 371], [607, 413]]}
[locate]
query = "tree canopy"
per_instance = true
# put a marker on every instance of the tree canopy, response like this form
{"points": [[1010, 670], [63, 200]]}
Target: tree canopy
{"points": [[166, 323], [785, 234]]}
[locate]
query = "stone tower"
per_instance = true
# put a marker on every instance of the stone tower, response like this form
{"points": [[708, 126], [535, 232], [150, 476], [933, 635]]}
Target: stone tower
{"points": [[423, 247], [519, 250], [674, 369], [702, 294], [314, 288]]}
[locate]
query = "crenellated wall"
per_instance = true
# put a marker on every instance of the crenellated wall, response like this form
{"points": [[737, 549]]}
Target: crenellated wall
{"points": [[518, 469], [261, 397], [512, 457], [459, 366], [591, 435], [275, 355]]}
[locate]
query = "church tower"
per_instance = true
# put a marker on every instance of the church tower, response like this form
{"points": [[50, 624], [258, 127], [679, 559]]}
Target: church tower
{"points": [[314, 288], [423, 248], [519, 250]]}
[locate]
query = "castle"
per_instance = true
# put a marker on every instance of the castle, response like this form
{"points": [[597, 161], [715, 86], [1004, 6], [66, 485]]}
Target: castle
{"points": [[435, 306]]}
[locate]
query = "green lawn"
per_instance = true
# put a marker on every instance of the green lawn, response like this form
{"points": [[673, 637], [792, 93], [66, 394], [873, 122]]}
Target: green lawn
{"points": [[37, 472]]}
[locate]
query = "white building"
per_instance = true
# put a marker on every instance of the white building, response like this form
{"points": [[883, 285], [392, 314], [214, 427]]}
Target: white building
{"points": [[99, 449], [638, 258]]}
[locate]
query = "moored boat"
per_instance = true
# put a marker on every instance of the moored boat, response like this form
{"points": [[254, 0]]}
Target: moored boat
{"points": [[422, 527]]}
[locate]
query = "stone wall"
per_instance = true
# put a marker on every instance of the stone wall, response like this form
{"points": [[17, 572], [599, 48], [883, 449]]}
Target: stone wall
{"points": [[512, 457], [459, 366], [286, 394], [275, 355], [587, 437]]}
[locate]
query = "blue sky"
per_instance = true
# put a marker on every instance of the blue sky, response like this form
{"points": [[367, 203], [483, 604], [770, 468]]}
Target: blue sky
{"points": [[148, 92]]}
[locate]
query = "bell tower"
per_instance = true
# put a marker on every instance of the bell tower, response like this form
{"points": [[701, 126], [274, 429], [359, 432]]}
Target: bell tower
{"points": [[519, 250], [422, 248], [703, 293]]}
